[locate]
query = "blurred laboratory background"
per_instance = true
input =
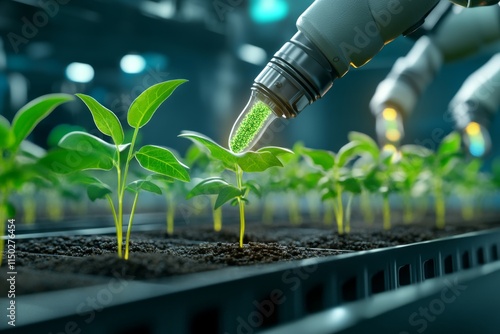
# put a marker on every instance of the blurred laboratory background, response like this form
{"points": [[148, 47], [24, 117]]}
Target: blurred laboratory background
{"points": [[114, 49]]}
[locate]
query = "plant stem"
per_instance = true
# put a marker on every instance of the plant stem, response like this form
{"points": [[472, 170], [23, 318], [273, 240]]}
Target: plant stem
{"points": [[122, 183], [407, 208], [170, 213], [386, 212], [129, 228], [216, 215], [241, 204], [366, 207], [440, 203], [348, 210], [268, 214], [328, 216], [339, 210], [119, 237], [293, 210], [467, 207]]}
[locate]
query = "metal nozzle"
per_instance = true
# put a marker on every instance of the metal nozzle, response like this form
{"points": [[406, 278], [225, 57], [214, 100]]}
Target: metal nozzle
{"points": [[296, 76]]}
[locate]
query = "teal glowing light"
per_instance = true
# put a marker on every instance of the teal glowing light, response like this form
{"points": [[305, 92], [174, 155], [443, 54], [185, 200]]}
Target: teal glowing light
{"points": [[268, 11], [477, 142], [477, 147]]}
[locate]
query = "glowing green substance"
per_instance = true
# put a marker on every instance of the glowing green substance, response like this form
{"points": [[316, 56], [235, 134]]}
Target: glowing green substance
{"points": [[250, 126]]}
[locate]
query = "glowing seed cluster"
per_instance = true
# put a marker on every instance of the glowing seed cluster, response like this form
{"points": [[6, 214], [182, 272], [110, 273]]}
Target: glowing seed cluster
{"points": [[250, 126]]}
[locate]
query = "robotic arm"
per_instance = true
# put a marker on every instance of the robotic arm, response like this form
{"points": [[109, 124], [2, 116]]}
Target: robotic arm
{"points": [[332, 36], [460, 34], [475, 104]]}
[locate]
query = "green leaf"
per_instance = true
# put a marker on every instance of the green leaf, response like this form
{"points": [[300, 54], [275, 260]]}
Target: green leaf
{"points": [[87, 144], [35, 111], [6, 137], [98, 191], [210, 186], [319, 158], [162, 161], [254, 187], [105, 120], [145, 185], [252, 162], [450, 144], [276, 151], [217, 152], [367, 144], [347, 153], [163, 179], [415, 150], [227, 194], [60, 131], [351, 185], [64, 161], [145, 105]]}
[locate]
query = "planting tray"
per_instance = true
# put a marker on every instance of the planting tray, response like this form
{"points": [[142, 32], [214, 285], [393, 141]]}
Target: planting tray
{"points": [[445, 284]]}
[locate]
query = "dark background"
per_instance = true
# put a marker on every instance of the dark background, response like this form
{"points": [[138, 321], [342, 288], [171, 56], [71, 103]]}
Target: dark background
{"points": [[198, 40]]}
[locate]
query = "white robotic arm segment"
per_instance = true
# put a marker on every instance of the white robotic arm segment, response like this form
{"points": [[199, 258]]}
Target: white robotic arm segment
{"points": [[353, 32], [467, 32], [408, 78], [475, 105], [479, 97]]}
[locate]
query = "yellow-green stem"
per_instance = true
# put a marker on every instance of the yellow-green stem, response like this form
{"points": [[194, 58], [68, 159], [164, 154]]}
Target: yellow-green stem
{"points": [[55, 206], [328, 215], [440, 204], [268, 214], [119, 236], [129, 228], [348, 210], [294, 210], [339, 210], [170, 214], [217, 219], [122, 183], [241, 204], [408, 209], [29, 208], [467, 207], [387, 212], [366, 207]]}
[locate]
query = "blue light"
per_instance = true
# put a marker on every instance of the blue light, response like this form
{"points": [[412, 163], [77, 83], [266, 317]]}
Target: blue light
{"points": [[268, 11], [477, 149], [80, 72]]}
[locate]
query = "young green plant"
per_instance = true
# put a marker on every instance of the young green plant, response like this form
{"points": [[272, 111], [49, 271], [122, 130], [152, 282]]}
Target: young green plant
{"points": [[18, 161], [82, 151], [248, 162], [336, 180]]}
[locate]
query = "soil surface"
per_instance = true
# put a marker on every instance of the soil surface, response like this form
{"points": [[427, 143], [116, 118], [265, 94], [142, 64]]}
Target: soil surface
{"points": [[66, 262]]}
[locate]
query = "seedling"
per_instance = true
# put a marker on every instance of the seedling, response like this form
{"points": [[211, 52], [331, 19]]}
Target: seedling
{"points": [[336, 179], [249, 162], [442, 164], [82, 151], [18, 161]]}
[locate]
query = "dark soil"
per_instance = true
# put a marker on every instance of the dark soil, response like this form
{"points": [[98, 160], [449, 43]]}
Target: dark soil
{"points": [[66, 262]]}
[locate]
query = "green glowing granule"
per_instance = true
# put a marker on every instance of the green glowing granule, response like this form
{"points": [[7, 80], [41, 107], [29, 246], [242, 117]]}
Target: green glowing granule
{"points": [[250, 126]]}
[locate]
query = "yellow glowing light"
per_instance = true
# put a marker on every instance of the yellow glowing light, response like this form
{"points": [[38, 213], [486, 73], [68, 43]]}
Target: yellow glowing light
{"points": [[473, 129], [393, 135], [389, 148], [390, 114]]}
